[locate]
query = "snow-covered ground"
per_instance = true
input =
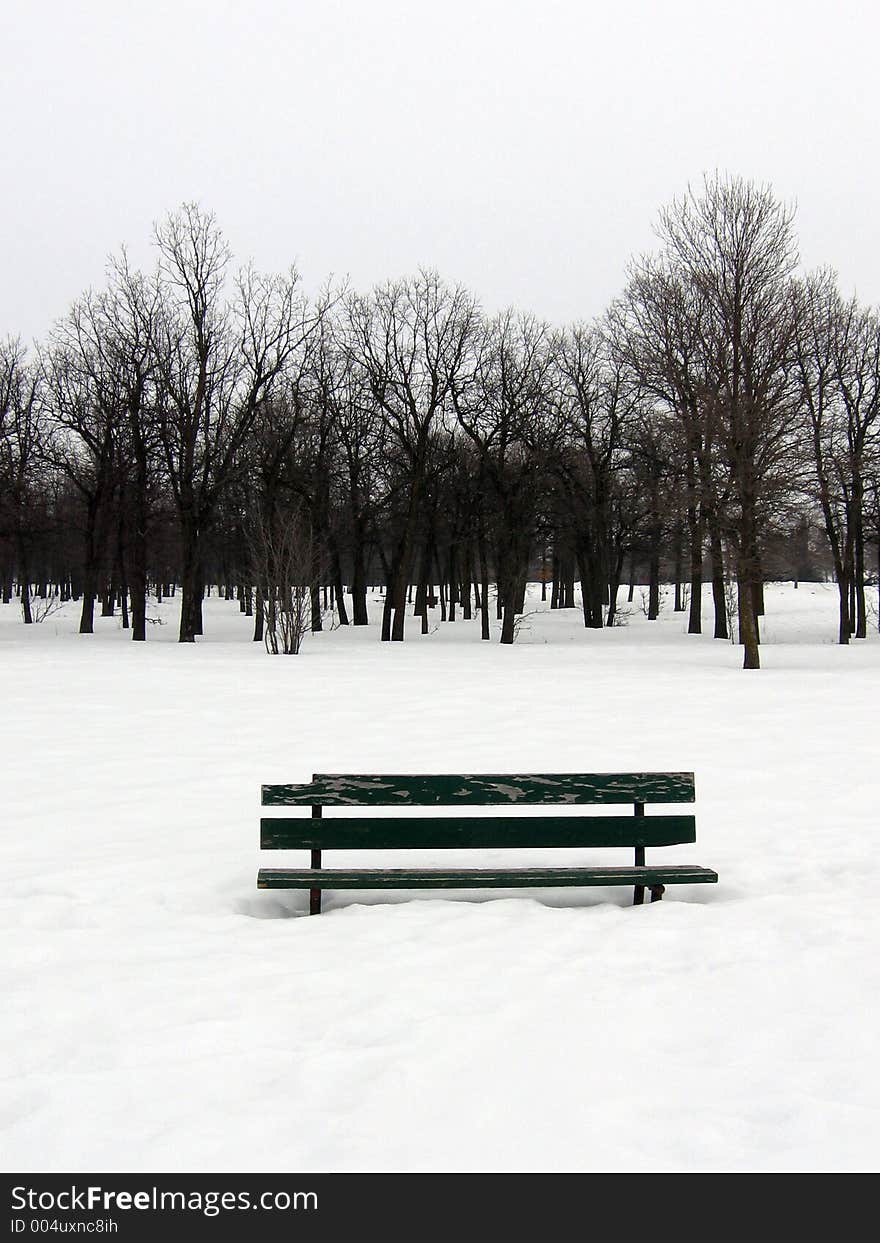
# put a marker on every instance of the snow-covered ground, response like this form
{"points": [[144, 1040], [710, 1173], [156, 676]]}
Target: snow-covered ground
{"points": [[160, 1014]]}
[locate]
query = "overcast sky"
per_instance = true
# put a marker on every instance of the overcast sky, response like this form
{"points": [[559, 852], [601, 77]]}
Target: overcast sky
{"points": [[523, 149]]}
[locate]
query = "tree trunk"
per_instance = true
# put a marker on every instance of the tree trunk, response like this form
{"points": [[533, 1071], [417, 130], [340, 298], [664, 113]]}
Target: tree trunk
{"points": [[484, 589], [404, 560], [190, 581], [520, 593], [696, 532], [389, 574], [259, 615], [465, 586], [861, 609], [453, 586], [614, 587], [387, 614], [508, 621], [748, 620], [24, 579], [359, 582], [507, 590], [90, 568], [567, 585], [747, 575], [654, 585], [719, 600], [338, 589], [585, 586], [678, 606], [315, 622], [514, 571]]}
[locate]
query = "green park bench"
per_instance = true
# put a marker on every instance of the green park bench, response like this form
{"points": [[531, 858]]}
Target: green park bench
{"points": [[476, 832], [454, 832]]}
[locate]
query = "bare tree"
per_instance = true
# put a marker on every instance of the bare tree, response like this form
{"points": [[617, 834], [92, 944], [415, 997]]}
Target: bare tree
{"points": [[857, 372], [361, 435], [285, 556], [411, 338], [83, 383], [503, 407], [22, 443], [658, 329], [596, 401], [734, 243], [130, 308], [819, 313], [216, 363], [101, 369]]}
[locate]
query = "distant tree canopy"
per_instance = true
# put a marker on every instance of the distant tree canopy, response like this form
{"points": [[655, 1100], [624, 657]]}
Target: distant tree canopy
{"points": [[186, 427]]}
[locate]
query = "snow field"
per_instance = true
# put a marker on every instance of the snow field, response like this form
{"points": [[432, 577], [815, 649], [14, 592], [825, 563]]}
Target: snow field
{"points": [[160, 1014]]}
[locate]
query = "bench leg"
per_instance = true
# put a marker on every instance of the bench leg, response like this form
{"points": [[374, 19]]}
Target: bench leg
{"points": [[315, 894], [639, 891], [657, 892]]}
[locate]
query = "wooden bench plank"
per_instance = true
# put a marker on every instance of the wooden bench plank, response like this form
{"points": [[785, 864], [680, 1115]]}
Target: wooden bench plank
{"points": [[472, 878], [464, 832], [445, 789]]}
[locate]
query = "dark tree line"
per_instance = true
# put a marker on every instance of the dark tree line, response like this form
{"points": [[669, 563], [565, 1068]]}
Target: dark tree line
{"points": [[186, 429]]}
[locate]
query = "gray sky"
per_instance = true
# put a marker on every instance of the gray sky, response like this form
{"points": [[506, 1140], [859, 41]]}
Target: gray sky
{"points": [[523, 149]]}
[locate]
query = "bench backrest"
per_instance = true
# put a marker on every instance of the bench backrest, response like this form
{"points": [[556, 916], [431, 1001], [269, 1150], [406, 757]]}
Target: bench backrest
{"points": [[450, 790]]}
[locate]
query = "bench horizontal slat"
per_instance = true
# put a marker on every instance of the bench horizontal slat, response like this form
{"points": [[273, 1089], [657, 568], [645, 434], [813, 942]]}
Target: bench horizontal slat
{"points": [[492, 878], [444, 789], [487, 832]]}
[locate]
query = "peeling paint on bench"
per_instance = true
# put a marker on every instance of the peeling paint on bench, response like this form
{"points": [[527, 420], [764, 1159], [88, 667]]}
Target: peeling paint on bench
{"points": [[441, 789]]}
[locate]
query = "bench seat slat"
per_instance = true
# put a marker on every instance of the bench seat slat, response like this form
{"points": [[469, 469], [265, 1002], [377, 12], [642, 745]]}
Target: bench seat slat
{"points": [[487, 832], [444, 789], [471, 878]]}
